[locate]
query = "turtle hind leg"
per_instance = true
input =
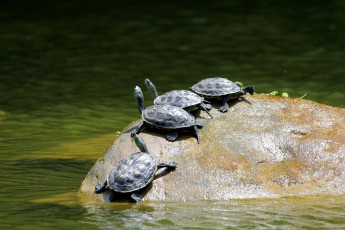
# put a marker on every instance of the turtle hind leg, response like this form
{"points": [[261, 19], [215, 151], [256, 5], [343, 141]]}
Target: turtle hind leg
{"points": [[249, 89], [196, 133], [100, 187], [171, 165], [140, 128], [208, 106], [171, 136], [137, 196], [203, 107], [224, 107]]}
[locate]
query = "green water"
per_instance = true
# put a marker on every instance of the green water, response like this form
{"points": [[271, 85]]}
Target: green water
{"points": [[67, 73]]}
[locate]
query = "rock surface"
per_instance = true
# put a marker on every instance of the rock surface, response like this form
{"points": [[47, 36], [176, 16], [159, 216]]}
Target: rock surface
{"points": [[263, 147]]}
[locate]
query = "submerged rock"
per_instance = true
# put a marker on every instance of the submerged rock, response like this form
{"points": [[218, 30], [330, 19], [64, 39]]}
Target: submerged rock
{"points": [[263, 147]]}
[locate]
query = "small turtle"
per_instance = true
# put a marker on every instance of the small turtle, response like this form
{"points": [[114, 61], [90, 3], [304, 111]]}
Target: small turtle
{"points": [[133, 173], [220, 88], [184, 99], [167, 117]]}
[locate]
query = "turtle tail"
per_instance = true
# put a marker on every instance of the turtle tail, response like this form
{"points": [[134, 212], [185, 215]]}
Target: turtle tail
{"points": [[196, 133]]}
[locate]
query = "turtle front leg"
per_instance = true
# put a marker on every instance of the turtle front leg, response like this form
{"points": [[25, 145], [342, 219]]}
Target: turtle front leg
{"points": [[100, 187], [171, 165], [137, 196], [171, 136], [224, 107]]}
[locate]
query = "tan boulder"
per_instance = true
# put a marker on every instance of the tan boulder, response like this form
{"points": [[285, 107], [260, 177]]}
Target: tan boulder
{"points": [[263, 147]]}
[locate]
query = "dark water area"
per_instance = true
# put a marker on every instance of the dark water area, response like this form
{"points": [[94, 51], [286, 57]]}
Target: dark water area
{"points": [[67, 73]]}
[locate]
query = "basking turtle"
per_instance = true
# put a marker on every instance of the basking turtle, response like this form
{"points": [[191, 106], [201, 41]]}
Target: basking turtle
{"points": [[184, 99], [220, 88], [167, 117], [133, 173]]}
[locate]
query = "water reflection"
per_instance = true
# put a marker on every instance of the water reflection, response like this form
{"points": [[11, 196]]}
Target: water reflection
{"points": [[243, 214]]}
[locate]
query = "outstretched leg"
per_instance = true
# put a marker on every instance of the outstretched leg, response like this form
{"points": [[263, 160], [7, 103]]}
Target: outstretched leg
{"points": [[203, 107], [208, 105], [224, 107], [137, 196], [196, 133], [172, 136], [100, 187], [171, 165]]}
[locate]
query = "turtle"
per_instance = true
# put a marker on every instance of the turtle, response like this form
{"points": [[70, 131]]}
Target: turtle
{"points": [[133, 173], [221, 88], [167, 117], [184, 99]]}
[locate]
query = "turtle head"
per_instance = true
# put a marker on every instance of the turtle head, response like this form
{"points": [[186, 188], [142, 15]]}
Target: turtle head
{"points": [[139, 142], [140, 99], [150, 86], [249, 89]]}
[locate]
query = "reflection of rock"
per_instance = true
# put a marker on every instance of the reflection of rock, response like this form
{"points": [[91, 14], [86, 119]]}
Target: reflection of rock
{"points": [[87, 149], [3, 115], [264, 146]]}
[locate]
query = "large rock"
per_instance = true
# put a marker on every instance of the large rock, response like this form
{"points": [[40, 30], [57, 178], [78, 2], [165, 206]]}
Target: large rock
{"points": [[264, 146]]}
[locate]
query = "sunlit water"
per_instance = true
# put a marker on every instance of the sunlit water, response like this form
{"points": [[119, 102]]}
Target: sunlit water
{"points": [[67, 73]]}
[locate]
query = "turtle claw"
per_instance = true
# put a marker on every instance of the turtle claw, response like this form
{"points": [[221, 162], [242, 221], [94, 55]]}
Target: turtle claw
{"points": [[199, 124], [171, 136], [223, 108], [100, 187], [137, 197], [172, 164]]}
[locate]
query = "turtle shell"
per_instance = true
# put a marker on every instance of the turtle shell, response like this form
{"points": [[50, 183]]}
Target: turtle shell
{"points": [[133, 173], [213, 87], [179, 98], [167, 117]]}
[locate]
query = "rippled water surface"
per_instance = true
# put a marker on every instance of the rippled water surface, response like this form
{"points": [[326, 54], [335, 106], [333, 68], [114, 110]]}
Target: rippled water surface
{"points": [[67, 73]]}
